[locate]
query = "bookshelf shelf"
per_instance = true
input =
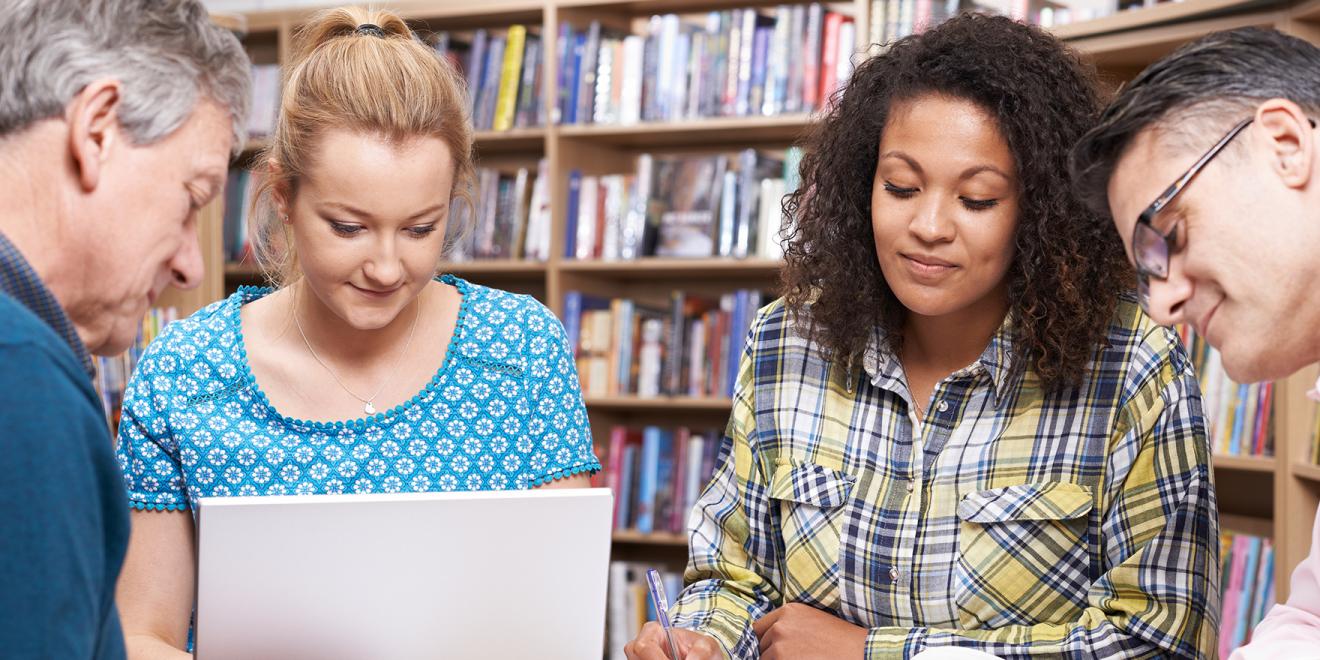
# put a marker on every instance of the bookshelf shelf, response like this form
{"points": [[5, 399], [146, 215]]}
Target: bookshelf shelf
{"points": [[1308, 11], [654, 538], [498, 268], [510, 141], [1135, 49], [454, 14], [719, 131], [1307, 471], [1160, 14], [1246, 463], [1252, 525], [674, 269], [664, 403], [232, 22]]}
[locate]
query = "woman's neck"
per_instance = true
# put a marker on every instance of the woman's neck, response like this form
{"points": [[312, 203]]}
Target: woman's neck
{"points": [[335, 340], [952, 341]]}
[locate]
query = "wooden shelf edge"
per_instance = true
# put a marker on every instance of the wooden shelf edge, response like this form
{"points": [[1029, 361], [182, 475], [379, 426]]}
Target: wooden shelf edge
{"points": [[716, 404], [1266, 464], [664, 265], [273, 19], [1239, 524], [494, 267], [1307, 471], [668, 539], [230, 21], [1160, 14], [241, 269]]}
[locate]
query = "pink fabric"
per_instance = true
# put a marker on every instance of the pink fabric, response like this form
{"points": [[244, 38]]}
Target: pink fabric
{"points": [[1292, 630]]}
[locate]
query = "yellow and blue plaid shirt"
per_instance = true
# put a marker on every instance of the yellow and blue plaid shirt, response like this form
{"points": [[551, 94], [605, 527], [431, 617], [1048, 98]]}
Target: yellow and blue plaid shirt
{"points": [[1078, 523]]}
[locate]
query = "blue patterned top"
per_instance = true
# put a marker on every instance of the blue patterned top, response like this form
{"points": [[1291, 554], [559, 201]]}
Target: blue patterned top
{"points": [[504, 411]]}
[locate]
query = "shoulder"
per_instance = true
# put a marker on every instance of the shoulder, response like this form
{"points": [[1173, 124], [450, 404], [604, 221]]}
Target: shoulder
{"points": [[205, 346], [1140, 352], [777, 331], [501, 327], [29, 344]]}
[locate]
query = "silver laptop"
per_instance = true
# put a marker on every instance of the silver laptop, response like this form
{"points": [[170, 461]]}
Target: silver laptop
{"points": [[508, 574]]}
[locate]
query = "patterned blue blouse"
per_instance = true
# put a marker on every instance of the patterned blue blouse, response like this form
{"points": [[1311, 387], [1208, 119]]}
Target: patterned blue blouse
{"points": [[504, 411]]}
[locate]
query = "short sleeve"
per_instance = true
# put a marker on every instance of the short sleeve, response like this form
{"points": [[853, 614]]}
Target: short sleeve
{"points": [[146, 449], [559, 431]]}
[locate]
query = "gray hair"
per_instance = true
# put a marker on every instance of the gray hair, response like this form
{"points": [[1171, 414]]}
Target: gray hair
{"points": [[166, 54], [1198, 90]]}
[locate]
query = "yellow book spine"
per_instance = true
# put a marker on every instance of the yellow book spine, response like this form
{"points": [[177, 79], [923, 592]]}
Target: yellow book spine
{"points": [[510, 76]]}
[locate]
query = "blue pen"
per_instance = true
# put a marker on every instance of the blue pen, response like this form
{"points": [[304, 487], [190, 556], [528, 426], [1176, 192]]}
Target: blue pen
{"points": [[661, 608]]}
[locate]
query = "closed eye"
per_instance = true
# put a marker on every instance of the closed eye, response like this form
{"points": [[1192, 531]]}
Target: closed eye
{"points": [[421, 231], [901, 193], [344, 229], [979, 204]]}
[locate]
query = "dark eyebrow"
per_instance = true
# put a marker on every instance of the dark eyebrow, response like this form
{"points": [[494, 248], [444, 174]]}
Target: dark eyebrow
{"points": [[967, 174], [351, 210]]}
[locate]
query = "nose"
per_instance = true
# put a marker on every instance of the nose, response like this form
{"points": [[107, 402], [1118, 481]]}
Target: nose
{"points": [[1167, 298], [385, 268], [931, 224], [187, 267]]}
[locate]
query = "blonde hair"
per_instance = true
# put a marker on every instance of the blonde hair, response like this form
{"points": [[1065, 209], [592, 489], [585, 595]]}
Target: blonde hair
{"points": [[383, 82]]}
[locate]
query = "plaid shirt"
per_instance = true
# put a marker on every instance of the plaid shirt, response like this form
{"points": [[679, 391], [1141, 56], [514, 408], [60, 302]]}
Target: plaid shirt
{"points": [[20, 282], [1078, 523]]}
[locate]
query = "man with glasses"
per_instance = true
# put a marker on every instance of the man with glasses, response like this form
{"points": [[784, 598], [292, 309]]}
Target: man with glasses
{"points": [[1209, 164]]}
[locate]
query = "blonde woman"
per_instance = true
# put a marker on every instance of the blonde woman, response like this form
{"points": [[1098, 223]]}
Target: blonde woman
{"points": [[362, 371]]}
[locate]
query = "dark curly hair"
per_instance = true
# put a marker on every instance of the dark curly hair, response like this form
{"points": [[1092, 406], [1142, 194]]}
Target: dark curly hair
{"points": [[1069, 267]]}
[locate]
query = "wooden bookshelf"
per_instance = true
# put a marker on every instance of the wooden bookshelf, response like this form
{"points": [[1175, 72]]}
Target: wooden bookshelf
{"points": [[1263, 464], [714, 132], [1274, 497], [1307, 471], [660, 403], [653, 538]]}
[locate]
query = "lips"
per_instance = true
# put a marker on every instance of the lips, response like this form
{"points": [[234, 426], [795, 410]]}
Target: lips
{"points": [[927, 267], [375, 293], [1203, 324]]}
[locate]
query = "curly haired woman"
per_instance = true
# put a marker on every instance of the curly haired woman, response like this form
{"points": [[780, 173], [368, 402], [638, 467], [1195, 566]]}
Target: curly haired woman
{"points": [[956, 428]]}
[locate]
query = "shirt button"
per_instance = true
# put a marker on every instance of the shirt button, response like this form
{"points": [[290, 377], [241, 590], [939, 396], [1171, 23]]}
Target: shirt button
{"points": [[893, 574], [911, 486], [943, 405]]}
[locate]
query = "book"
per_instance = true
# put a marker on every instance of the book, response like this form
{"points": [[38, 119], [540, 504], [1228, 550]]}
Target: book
{"points": [[510, 78]]}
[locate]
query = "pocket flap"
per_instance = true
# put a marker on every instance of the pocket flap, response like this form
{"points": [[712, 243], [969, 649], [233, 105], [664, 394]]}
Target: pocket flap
{"points": [[809, 483], [1044, 501]]}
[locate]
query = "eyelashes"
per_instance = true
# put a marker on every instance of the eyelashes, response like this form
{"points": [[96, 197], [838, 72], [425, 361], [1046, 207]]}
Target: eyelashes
{"points": [[967, 202], [346, 229]]}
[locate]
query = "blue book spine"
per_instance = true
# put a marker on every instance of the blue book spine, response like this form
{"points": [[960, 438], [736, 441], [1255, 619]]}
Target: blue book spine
{"points": [[664, 479], [573, 319], [647, 479], [574, 192], [737, 338], [1243, 623], [476, 71], [579, 50], [564, 50]]}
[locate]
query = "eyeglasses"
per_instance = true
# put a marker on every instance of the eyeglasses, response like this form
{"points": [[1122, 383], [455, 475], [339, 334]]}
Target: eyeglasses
{"points": [[1151, 247]]}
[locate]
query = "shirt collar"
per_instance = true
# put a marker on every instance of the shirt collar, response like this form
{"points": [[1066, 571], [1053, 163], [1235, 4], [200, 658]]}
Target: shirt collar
{"points": [[19, 281], [999, 361]]}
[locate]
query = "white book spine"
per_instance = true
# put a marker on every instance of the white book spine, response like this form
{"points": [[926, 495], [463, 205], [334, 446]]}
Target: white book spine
{"points": [[649, 358], [586, 229], [634, 49]]}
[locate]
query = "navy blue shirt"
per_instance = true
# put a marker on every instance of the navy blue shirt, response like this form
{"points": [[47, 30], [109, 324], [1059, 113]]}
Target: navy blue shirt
{"points": [[63, 511]]}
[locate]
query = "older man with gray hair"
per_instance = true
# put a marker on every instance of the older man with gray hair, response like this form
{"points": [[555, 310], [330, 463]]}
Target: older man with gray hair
{"points": [[1209, 164], [117, 122]]}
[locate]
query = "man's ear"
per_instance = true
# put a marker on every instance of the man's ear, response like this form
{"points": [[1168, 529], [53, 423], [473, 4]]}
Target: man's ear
{"points": [[1290, 141], [94, 130]]}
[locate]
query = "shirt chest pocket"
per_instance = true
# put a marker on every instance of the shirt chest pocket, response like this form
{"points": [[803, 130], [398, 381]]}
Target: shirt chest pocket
{"points": [[812, 502], [1022, 555]]}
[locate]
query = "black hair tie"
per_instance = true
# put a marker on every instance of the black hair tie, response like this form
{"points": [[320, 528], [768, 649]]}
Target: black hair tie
{"points": [[371, 29]]}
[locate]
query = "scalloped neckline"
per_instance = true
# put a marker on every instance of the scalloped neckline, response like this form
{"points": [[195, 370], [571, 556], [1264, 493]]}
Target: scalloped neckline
{"points": [[249, 294]]}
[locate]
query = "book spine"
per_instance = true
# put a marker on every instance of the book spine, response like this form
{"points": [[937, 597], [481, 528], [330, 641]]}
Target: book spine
{"points": [[829, 58], [510, 76], [811, 65], [529, 98], [590, 58], [647, 475], [571, 231]]}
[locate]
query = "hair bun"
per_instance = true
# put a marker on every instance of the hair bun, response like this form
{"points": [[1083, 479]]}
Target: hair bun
{"points": [[346, 22]]}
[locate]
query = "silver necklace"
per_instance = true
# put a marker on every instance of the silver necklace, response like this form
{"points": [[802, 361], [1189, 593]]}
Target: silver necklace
{"points": [[368, 405]]}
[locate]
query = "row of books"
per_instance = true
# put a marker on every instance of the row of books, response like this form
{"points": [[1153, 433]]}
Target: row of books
{"points": [[1247, 587], [656, 474], [1239, 417], [112, 373], [629, 604], [683, 206], [239, 189], [734, 63], [686, 345], [508, 219], [503, 70]]}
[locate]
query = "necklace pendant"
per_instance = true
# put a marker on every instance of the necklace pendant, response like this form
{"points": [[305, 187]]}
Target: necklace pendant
{"points": [[369, 409]]}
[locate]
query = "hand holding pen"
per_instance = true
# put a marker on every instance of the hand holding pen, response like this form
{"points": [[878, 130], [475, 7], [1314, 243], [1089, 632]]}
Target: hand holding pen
{"points": [[658, 640]]}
